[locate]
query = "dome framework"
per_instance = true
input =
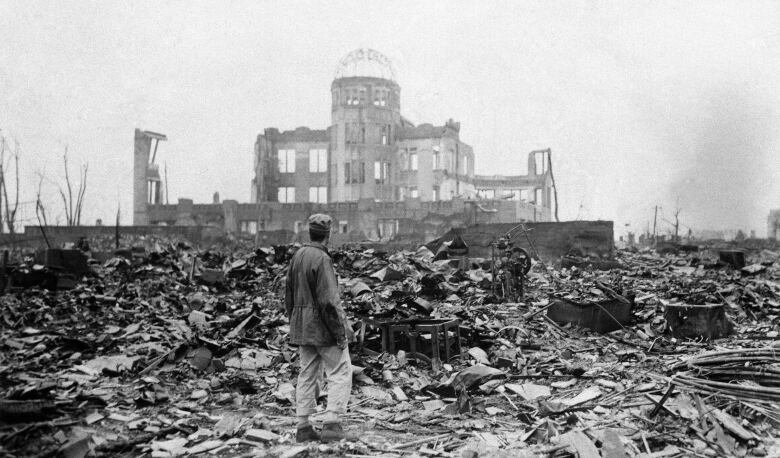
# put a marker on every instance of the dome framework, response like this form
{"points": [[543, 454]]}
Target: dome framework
{"points": [[365, 62]]}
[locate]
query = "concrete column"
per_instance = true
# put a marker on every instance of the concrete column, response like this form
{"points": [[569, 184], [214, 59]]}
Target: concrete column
{"points": [[184, 213], [142, 146], [230, 207]]}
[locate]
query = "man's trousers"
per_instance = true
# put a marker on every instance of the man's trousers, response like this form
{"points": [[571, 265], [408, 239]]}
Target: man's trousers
{"points": [[338, 369]]}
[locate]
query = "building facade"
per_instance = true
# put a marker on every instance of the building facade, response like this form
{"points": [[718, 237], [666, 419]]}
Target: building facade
{"points": [[376, 172], [370, 151], [773, 225]]}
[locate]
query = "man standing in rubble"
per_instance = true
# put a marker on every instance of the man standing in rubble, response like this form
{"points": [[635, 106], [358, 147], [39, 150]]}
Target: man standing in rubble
{"points": [[318, 326]]}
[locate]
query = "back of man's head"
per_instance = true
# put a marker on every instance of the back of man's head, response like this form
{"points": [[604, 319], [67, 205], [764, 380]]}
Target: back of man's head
{"points": [[319, 227]]}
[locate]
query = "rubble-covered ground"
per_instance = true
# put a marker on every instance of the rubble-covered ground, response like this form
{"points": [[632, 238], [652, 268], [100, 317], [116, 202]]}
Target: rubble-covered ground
{"points": [[183, 352]]}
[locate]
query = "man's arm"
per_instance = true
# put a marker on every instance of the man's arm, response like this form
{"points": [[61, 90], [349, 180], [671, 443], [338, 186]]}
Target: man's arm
{"points": [[328, 295], [289, 294]]}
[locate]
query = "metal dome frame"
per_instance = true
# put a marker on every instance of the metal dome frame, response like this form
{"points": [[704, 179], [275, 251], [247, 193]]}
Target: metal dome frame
{"points": [[351, 61]]}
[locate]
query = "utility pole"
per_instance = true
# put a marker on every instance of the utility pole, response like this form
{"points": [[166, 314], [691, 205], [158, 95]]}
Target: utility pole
{"points": [[676, 224], [2, 178], [552, 178], [655, 221], [166, 182]]}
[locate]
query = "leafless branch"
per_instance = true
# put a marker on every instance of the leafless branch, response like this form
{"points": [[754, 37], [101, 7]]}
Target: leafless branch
{"points": [[82, 191], [69, 203], [72, 205], [40, 211], [5, 201]]}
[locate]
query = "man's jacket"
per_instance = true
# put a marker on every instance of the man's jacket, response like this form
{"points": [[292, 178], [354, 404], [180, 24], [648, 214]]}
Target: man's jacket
{"points": [[312, 299]]}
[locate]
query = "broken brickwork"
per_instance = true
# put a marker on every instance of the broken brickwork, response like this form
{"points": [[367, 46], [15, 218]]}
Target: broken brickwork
{"points": [[169, 350]]}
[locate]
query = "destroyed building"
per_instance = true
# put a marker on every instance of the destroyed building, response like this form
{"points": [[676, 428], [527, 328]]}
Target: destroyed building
{"points": [[379, 175], [773, 225]]}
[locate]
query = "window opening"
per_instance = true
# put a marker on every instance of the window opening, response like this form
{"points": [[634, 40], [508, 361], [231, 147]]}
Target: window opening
{"points": [[286, 195], [541, 163], [286, 160], [318, 194], [318, 160]]}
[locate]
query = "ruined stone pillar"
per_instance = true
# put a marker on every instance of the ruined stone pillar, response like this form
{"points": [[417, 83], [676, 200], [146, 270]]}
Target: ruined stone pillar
{"points": [[184, 213], [142, 146], [230, 209]]}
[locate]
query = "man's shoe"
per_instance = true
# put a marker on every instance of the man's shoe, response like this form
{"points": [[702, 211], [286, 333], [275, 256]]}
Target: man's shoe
{"points": [[306, 434], [332, 432]]}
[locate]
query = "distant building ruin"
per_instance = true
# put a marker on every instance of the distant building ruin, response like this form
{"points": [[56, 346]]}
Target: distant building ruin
{"points": [[379, 175], [147, 184], [773, 225]]}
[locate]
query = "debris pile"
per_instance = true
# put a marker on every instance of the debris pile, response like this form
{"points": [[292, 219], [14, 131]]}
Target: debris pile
{"points": [[171, 351]]}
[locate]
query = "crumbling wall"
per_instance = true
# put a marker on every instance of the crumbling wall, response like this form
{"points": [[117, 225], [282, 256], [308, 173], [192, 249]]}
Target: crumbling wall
{"points": [[773, 225], [552, 240], [142, 146], [59, 235]]}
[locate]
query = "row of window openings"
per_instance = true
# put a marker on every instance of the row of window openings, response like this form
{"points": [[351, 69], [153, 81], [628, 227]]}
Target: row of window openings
{"points": [[318, 160], [317, 194], [300, 226], [516, 194], [413, 192], [409, 161], [355, 134], [250, 227], [357, 96], [355, 172]]}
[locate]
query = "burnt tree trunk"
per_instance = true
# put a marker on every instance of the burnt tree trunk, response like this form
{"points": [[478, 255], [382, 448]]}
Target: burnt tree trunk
{"points": [[697, 321]]}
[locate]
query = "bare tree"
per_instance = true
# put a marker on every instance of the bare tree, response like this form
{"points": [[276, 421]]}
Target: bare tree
{"points": [[73, 202], [40, 210], [9, 211]]}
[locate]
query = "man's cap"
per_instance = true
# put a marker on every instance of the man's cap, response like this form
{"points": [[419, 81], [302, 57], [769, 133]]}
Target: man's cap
{"points": [[319, 223]]}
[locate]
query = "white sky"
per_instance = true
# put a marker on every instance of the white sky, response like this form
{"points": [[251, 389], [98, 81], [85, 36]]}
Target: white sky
{"points": [[642, 103]]}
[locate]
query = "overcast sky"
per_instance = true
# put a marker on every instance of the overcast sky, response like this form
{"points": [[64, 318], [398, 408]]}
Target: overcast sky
{"points": [[642, 103]]}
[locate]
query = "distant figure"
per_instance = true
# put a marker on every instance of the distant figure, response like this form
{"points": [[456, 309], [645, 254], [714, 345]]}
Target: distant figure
{"points": [[319, 327]]}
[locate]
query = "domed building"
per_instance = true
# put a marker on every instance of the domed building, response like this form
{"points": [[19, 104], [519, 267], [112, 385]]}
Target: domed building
{"points": [[378, 175], [372, 156]]}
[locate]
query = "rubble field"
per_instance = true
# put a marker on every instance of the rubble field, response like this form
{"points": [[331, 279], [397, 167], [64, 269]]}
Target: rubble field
{"points": [[173, 351]]}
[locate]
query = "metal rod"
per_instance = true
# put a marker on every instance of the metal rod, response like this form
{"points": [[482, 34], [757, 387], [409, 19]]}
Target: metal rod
{"points": [[154, 155]]}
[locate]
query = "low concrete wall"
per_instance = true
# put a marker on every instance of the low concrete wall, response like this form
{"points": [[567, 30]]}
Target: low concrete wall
{"points": [[99, 237], [551, 240]]}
